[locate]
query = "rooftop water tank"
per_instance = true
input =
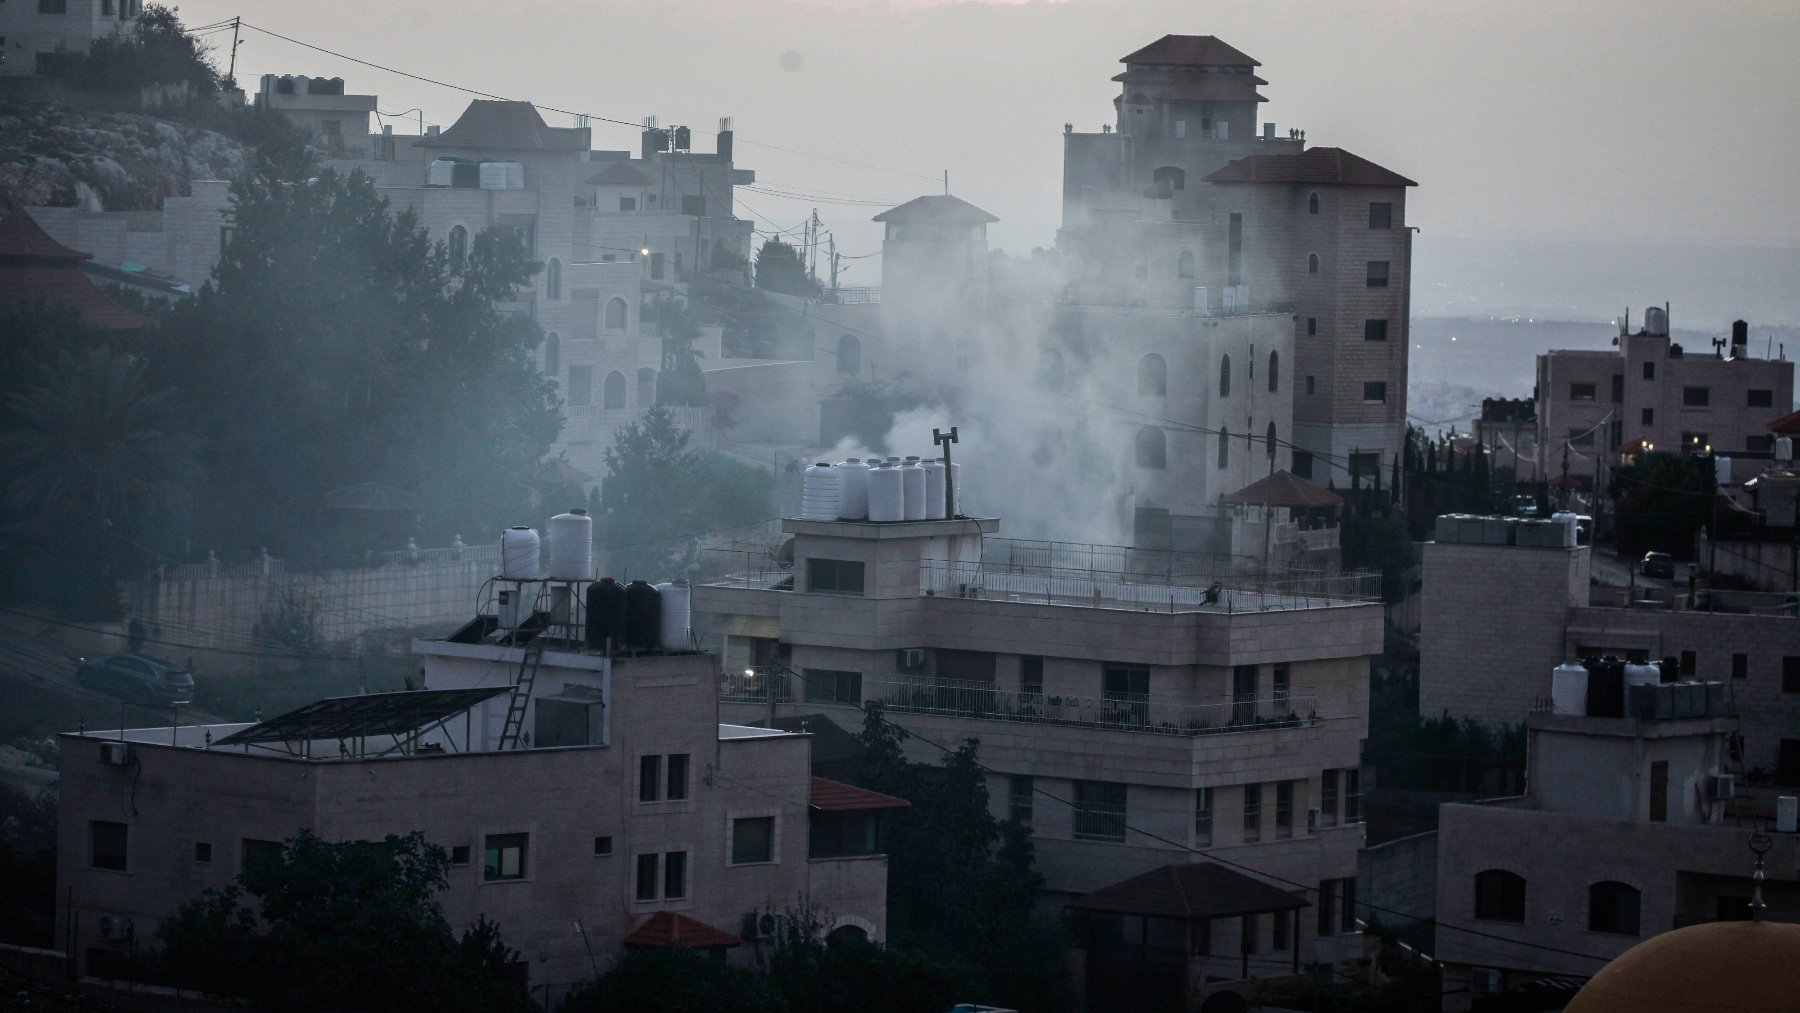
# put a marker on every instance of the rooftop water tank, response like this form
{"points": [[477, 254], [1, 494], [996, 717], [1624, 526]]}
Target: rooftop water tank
{"points": [[821, 493], [1722, 470], [913, 488], [1606, 687], [643, 617], [519, 554], [677, 611], [1656, 321], [1640, 673], [605, 614], [1571, 523], [934, 489], [443, 172], [572, 546], [515, 175], [887, 494], [1568, 689], [493, 175], [1784, 449], [853, 504]]}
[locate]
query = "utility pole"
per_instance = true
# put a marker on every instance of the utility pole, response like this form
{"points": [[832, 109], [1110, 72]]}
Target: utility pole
{"points": [[946, 182], [834, 264], [943, 439], [231, 74]]}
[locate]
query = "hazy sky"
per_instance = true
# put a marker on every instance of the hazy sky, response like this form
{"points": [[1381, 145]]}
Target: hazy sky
{"points": [[1602, 119]]}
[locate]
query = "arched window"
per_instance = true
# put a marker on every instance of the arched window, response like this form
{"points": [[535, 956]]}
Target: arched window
{"points": [[612, 392], [1312, 263], [849, 355], [646, 388], [615, 314], [1224, 376], [1184, 264], [1274, 372], [1153, 375], [1613, 907], [459, 247], [1499, 896], [1171, 176], [1050, 369], [553, 279], [1224, 448], [552, 356], [1271, 441], [1152, 448], [1312, 203]]}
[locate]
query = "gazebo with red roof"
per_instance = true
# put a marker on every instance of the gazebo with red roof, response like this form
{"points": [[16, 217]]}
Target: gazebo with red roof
{"points": [[670, 928], [35, 266]]}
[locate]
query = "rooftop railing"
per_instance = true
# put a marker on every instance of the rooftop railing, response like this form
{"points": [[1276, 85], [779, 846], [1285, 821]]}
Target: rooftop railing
{"points": [[1144, 592], [1132, 712]]}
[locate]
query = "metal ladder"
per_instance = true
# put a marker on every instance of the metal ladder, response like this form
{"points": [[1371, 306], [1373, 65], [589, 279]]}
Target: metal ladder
{"points": [[521, 695]]}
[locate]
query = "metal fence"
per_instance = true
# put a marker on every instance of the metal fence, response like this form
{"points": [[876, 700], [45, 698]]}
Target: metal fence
{"points": [[755, 685], [1228, 593], [1133, 712]]}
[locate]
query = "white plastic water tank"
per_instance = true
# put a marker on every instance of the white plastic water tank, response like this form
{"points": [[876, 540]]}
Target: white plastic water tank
{"points": [[821, 491], [1568, 689], [1570, 522], [854, 499], [677, 605], [571, 546], [934, 489], [913, 479], [887, 494], [1784, 449], [519, 554], [443, 172], [1640, 674], [1721, 470], [493, 175], [1656, 321], [515, 175]]}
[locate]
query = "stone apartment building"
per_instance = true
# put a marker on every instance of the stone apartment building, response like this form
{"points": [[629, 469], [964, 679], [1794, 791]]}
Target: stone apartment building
{"points": [[1624, 833], [1650, 393], [1130, 716], [1497, 618], [34, 33], [624, 806], [1215, 264]]}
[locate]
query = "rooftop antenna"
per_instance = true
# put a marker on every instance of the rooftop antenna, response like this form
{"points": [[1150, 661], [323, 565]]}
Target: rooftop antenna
{"points": [[946, 182], [943, 439], [1759, 846]]}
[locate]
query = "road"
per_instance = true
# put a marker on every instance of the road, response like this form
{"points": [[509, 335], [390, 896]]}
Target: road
{"points": [[1609, 570]]}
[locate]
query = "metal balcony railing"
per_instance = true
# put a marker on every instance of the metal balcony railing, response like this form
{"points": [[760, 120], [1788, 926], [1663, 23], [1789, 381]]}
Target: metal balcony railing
{"points": [[1132, 712]]}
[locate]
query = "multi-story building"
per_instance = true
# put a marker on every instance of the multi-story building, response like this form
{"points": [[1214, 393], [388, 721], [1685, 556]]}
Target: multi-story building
{"points": [[35, 35], [336, 122], [1205, 258], [1496, 620], [1630, 828], [171, 251], [1130, 715], [1651, 394], [614, 803]]}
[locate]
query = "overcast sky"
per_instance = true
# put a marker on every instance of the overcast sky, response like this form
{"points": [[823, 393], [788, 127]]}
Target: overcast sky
{"points": [[1603, 119]]}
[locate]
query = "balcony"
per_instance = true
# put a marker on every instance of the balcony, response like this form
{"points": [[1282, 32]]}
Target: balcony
{"points": [[1129, 712], [1141, 592]]}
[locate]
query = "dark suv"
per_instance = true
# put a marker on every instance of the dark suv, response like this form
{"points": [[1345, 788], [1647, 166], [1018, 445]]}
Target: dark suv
{"points": [[1658, 564], [137, 677]]}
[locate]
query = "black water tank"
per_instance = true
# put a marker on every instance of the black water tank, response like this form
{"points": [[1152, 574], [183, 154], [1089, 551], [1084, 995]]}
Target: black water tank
{"points": [[1671, 670], [1606, 688], [643, 616], [605, 614]]}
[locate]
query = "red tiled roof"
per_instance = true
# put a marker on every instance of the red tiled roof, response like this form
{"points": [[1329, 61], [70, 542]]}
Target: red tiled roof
{"points": [[35, 266], [1190, 50], [666, 928], [837, 797], [1284, 489], [1189, 891], [1787, 425], [22, 237], [502, 126], [936, 208], [1332, 166], [620, 174]]}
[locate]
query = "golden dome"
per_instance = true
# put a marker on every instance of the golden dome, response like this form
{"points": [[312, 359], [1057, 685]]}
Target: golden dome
{"points": [[1747, 966]]}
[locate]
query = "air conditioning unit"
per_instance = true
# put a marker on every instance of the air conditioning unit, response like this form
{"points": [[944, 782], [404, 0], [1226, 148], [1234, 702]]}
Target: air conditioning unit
{"points": [[116, 753], [1312, 820], [910, 659], [1721, 787], [763, 925], [1484, 980], [116, 927]]}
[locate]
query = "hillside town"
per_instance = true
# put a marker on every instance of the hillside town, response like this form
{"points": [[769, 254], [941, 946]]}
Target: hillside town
{"points": [[468, 567]]}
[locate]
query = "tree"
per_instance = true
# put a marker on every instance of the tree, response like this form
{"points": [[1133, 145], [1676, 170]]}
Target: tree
{"points": [[673, 980], [680, 382], [349, 925], [1380, 541], [156, 49], [1661, 501], [778, 269]]}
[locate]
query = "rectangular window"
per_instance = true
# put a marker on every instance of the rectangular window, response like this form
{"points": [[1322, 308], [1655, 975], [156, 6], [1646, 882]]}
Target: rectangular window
{"points": [[1381, 215], [1203, 817], [257, 854], [1302, 462], [627, 203], [1312, 325], [1284, 809], [1740, 666], [1243, 693], [1347, 911], [1759, 443], [675, 875], [1581, 437], [1327, 901], [1311, 386], [1696, 397], [1328, 797], [693, 204], [1252, 813], [678, 777], [107, 843], [603, 847], [1031, 678], [1127, 694], [203, 852], [1020, 790], [1365, 464], [53, 6], [1649, 370], [1790, 674], [753, 840], [581, 386], [650, 778], [459, 854], [1648, 416], [1352, 795], [647, 868], [503, 857], [834, 576], [1618, 388], [1581, 392], [106, 7], [656, 266], [1378, 274], [1375, 392], [1759, 398], [1375, 330], [826, 685], [1659, 791], [1099, 811]]}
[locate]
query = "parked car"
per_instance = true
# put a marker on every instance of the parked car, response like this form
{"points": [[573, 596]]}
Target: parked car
{"points": [[1658, 564], [1524, 506], [137, 677]]}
